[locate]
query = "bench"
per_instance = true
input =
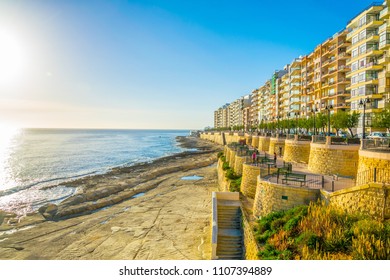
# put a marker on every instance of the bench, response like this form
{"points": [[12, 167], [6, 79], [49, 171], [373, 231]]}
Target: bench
{"points": [[301, 178]]}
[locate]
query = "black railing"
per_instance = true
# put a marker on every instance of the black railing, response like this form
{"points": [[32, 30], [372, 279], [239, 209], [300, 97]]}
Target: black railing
{"points": [[379, 144], [373, 175]]}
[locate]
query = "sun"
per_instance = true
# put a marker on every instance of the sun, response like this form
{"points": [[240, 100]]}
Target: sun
{"points": [[12, 60]]}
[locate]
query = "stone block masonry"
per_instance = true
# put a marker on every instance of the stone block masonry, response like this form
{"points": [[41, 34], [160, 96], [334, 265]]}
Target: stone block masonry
{"points": [[264, 144], [334, 159], [249, 179], [371, 199], [271, 197], [250, 245], [276, 145], [238, 164], [296, 151], [255, 141]]}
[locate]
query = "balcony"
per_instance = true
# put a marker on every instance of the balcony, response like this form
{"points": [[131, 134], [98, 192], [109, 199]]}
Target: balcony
{"points": [[344, 93], [341, 105], [384, 14], [344, 68], [384, 44]]}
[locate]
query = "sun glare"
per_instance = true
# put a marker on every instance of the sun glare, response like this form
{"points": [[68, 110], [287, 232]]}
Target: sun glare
{"points": [[12, 61]]}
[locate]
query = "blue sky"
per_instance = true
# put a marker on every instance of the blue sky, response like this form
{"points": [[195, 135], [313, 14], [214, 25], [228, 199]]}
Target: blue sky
{"points": [[149, 64]]}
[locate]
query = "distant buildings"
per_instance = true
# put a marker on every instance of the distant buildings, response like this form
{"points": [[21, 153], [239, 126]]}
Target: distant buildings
{"points": [[340, 74]]}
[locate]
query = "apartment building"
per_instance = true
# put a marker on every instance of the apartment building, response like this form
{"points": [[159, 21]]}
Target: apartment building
{"points": [[364, 62], [383, 60]]}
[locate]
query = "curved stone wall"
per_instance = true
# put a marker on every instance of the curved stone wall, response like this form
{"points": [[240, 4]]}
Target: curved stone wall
{"points": [[369, 160], [334, 159], [238, 163], [296, 151], [232, 158], [249, 179], [263, 143], [272, 197], [248, 139], [255, 141], [276, 145]]}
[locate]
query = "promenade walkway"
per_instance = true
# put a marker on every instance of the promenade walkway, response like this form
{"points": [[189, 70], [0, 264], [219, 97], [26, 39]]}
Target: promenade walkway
{"points": [[329, 183]]}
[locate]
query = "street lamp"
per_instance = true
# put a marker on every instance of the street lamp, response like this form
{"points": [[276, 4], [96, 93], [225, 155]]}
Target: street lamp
{"points": [[328, 108], [364, 102], [314, 112]]}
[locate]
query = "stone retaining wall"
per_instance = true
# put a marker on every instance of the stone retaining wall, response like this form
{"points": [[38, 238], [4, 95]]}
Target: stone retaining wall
{"points": [[334, 159], [223, 183], [296, 151], [238, 163], [272, 197], [255, 141], [249, 180], [250, 245], [372, 199], [369, 159], [276, 145], [232, 158], [264, 143]]}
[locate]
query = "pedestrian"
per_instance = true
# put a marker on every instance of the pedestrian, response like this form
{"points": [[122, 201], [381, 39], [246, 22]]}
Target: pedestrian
{"points": [[254, 157], [275, 156]]}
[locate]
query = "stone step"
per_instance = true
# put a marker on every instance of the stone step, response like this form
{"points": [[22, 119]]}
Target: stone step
{"points": [[230, 249], [230, 257]]}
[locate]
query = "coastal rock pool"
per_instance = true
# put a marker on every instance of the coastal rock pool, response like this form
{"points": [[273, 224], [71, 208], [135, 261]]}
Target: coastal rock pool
{"points": [[193, 177]]}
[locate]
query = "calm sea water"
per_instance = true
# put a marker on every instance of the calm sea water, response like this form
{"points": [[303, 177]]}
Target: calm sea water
{"points": [[34, 158]]}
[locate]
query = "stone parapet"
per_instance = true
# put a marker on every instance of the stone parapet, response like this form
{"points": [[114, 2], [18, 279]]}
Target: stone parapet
{"points": [[272, 197], [249, 179], [296, 151], [263, 143], [334, 159], [276, 145]]}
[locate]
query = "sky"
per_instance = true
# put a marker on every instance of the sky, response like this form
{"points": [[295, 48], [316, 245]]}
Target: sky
{"points": [[148, 64]]}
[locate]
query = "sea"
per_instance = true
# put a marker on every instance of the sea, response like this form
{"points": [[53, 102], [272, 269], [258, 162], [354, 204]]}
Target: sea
{"points": [[31, 160]]}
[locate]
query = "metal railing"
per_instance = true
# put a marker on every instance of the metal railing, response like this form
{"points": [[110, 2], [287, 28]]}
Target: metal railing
{"points": [[378, 144], [373, 175], [319, 139]]}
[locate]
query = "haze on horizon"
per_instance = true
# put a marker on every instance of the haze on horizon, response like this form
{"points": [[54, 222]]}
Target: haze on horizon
{"points": [[148, 64]]}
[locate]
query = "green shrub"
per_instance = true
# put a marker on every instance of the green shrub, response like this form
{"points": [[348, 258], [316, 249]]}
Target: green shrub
{"points": [[220, 154], [225, 166]]}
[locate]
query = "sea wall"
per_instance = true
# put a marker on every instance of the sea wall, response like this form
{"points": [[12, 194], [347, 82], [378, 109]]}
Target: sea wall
{"points": [[334, 159], [369, 159], [296, 151], [371, 199], [272, 197]]}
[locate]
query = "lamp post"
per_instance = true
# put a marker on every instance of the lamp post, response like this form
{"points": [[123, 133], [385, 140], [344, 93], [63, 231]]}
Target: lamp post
{"points": [[364, 102], [328, 108], [314, 115]]}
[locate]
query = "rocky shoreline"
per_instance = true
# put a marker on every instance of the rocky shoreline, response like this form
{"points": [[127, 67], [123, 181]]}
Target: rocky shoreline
{"points": [[147, 189]]}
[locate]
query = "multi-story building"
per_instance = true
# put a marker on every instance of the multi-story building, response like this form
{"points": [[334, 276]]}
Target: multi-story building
{"points": [[384, 44], [365, 53]]}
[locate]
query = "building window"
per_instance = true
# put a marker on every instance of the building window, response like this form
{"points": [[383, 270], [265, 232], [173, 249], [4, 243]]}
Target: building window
{"points": [[355, 39], [354, 52], [354, 66], [362, 49]]}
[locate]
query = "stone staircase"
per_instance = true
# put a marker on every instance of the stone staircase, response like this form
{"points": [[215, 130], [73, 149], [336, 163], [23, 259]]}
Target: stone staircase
{"points": [[230, 241]]}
